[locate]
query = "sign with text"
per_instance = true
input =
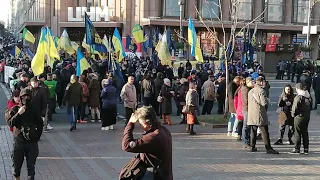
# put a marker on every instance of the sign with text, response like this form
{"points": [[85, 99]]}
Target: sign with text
{"points": [[97, 14]]}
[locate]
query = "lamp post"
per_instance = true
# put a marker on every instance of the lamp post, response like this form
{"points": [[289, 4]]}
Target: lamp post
{"points": [[309, 14], [181, 4]]}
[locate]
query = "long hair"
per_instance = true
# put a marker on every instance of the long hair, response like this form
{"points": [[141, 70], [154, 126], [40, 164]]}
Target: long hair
{"points": [[291, 95]]}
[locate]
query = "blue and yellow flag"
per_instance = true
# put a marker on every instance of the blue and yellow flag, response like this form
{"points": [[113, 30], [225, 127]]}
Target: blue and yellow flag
{"points": [[194, 42], [90, 31], [65, 43], [138, 35], [37, 63], [82, 63], [130, 45], [53, 51], [15, 52], [117, 44], [163, 50]]}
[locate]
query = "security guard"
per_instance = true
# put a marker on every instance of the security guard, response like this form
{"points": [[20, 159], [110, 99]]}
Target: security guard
{"points": [[27, 129]]}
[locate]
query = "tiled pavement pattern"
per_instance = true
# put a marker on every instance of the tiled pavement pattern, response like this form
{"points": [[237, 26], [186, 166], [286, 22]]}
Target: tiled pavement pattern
{"points": [[92, 154]]}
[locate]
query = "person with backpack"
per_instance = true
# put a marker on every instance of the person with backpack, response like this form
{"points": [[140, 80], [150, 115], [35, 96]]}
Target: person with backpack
{"points": [[27, 127]]}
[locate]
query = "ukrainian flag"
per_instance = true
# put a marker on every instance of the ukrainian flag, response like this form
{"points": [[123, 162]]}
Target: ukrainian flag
{"points": [[65, 43], [163, 50], [82, 63], [27, 35], [37, 63], [194, 42], [137, 33], [53, 51], [15, 52], [117, 44]]}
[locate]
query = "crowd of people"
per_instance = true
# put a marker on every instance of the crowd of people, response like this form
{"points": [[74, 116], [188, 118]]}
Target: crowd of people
{"points": [[94, 97]]}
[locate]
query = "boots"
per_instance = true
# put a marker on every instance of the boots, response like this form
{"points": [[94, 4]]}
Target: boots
{"points": [[164, 119], [30, 177]]}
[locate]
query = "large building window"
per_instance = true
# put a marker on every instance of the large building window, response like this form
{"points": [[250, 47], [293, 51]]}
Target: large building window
{"points": [[275, 10], [244, 10], [210, 9], [171, 8], [300, 11]]}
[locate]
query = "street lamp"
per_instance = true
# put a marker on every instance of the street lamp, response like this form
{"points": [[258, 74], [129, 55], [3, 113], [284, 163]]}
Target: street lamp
{"points": [[181, 4], [309, 14]]}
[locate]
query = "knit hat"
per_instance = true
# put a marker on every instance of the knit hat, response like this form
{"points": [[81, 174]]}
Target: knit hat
{"points": [[166, 81]]}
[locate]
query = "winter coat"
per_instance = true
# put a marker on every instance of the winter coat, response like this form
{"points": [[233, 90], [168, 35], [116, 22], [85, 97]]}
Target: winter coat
{"points": [[129, 96], [166, 103], [85, 92], [232, 87], [158, 82], [109, 97], [285, 114], [302, 105], [244, 93], [73, 94], [156, 143], [257, 103], [94, 92], [208, 90], [238, 104], [39, 99]]}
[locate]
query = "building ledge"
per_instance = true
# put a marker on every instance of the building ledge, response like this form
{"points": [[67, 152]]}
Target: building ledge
{"points": [[96, 24], [158, 21], [31, 23]]}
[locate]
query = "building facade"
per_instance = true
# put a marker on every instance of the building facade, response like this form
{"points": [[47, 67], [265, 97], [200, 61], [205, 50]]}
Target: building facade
{"points": [[283, 19]]}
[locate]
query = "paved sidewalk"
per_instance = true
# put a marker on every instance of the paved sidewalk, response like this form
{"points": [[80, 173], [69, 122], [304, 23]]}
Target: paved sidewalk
{"points": [[92, 154]]}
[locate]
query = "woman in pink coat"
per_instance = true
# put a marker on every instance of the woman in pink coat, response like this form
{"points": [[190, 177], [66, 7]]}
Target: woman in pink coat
{"points": [[238, 107]]}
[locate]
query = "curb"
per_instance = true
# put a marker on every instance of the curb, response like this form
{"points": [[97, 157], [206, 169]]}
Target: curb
{"points": [[204, 124]]}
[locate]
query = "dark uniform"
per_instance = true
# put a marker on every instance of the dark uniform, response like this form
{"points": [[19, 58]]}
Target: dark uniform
{"points": [[27, 131]]}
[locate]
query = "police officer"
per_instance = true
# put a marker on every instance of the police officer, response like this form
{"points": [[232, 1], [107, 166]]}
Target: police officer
{"points": [[27, 129], [316, 88]]}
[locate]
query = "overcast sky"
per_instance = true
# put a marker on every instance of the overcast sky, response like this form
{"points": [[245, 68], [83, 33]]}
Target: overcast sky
{"points": [[5, 7]]}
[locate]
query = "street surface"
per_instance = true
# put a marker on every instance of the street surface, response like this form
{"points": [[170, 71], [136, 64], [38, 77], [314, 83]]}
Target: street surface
{"points": [[92, 154]]}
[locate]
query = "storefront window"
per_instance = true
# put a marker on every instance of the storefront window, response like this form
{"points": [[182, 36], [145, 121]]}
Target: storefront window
{"points": [[244, 10], [210, 9], [275, 10], [300, 11], [171, 8]]}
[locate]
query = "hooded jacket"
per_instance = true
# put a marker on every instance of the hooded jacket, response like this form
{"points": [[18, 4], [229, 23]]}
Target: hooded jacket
{"points": [[302, 105], [30, 118]]}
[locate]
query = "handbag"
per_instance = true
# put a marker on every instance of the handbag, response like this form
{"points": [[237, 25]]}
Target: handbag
{"points": [[279, 110], [185, 109], [134, 170]]}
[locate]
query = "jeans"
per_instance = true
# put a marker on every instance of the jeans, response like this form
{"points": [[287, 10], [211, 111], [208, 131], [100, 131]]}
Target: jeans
{"points": [[207, 107], [235, 125], [282, 129], [245, 128], [29, 150], [147, 101], [72, 114], [265, 136], [231, 122]]}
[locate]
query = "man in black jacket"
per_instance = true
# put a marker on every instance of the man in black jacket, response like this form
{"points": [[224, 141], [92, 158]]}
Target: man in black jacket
{"points": [[28, 126], [306, 80]]}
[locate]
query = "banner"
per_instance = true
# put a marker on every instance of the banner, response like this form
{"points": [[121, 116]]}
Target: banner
{"points": [[8, 72]]}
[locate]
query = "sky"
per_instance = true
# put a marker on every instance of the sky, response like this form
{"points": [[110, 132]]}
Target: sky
{"points": [[5, 7]]}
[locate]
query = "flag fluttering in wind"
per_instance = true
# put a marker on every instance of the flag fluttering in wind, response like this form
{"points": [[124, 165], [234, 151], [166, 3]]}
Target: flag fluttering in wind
{"points": [[53, 52], [65, 43], [74, 45], [106, 43], [90, 31], [138, 35], [15, 52], [194, 42], [130, 45], [37, 63], [163, 50], [29, 53], [117, 44], [28, 36], [82, 63]]}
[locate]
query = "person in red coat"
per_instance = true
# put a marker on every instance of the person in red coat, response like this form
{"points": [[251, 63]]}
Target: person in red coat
{"points": [[13, 101]]}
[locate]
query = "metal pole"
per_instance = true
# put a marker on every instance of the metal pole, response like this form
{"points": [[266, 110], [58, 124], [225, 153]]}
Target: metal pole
{"points": [[181, 3], [309, 14]]}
